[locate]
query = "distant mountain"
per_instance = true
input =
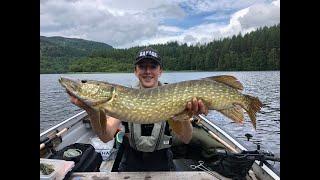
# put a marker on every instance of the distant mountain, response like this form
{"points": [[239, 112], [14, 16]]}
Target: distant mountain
{"points": [[69, 47], [57, 53]]}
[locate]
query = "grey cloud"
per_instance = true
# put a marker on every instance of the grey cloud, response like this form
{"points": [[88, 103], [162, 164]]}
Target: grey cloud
{"points": [[72, 0], [134, 5], [43, 1], [96, 21], [121, 31], [260, 15], [121, 25], [113, 30], [167, 11], [189, 39]]}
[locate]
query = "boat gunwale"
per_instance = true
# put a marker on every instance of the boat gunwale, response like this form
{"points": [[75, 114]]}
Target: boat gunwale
{"points": [[64, 123], [240, 146]]}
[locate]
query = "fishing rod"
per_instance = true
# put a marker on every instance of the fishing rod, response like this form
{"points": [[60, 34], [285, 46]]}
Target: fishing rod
{"points": [[258, 154], [49, 139], [237, 162], [57, 135], [198, 120]]}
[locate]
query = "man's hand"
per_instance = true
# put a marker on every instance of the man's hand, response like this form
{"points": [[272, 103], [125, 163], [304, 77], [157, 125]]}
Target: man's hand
{"points": [[111, 124], [196, 107], [181, 124]]}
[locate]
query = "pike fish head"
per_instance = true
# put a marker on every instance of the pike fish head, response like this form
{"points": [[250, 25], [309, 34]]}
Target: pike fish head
{"points": [[70, 85], [89, 92]]}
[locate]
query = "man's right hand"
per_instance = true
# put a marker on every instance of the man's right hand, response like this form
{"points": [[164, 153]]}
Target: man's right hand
{"points": [[112, 124]]}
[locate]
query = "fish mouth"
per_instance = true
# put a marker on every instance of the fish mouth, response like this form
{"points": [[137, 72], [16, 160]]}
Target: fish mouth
{"points": [[66, 82], [71, 85]]}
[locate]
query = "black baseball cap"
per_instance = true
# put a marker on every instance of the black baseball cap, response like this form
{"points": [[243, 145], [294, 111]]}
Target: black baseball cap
{"points": [[148, 54]]}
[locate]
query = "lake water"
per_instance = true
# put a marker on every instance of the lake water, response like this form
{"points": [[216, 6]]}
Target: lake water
{"points": [[55, 105]]}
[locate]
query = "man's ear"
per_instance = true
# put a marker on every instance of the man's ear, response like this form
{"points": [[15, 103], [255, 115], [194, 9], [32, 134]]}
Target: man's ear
{"points": [[135, 72], [160, 72]]}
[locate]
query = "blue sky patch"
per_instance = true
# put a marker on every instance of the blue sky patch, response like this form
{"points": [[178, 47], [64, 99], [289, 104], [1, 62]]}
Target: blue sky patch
{"points": [[192, 19]]}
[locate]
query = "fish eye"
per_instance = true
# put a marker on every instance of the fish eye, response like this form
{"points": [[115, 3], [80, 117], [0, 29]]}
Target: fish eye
{"points": [[83, 81]]}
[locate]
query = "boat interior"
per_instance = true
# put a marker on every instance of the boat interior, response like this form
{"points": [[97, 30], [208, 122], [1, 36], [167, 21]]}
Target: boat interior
{"points": [[199, 153]]}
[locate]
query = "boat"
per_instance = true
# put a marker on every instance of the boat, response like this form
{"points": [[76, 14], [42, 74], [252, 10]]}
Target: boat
{"points": [[192, 161]]}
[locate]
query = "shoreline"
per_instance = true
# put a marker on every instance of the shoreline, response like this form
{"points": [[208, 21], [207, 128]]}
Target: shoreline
{"points": [[184, 71]]}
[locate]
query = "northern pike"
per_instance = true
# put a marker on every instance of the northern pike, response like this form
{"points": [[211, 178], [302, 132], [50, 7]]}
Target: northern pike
{"points": [[151, 105]]}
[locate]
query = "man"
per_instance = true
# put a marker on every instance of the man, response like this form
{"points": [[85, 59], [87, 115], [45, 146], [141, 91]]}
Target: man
{"points": [[147, 146]]}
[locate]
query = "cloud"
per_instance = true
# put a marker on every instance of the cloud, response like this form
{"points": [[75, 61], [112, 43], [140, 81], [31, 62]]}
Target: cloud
{"points": [[113, 22], [124, 24], [198, 6], [189, 38], [242, 21], [276, 3], [253, 17], [260, 15]]}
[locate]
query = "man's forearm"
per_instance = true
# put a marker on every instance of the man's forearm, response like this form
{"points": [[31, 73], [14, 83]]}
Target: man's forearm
{"points": [[186, 132]]}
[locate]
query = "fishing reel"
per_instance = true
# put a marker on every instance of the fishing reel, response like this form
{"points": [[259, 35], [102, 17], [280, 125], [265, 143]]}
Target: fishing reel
{"points": [[266, 152], [263, 154], [50, 143], [249, 136]]}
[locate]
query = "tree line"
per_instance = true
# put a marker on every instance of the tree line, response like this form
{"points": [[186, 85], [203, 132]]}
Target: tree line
{"points": [[255, 51]]}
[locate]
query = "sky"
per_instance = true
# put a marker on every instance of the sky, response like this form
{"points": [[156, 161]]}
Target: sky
{"points": [[129, 23]]}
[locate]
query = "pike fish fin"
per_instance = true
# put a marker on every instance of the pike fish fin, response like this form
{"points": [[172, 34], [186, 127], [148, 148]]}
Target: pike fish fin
{"points": [[252, 106], [103, 120], [94, 116], [98, 121], [94, 102], [235, 113], [228, 80]]}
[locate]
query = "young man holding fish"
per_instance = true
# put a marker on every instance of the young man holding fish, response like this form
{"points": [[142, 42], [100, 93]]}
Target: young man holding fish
{"points": [[147, 146]]}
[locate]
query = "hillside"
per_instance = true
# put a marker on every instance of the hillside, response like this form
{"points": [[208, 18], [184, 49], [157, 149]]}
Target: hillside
{"points": [[256, 51], [56, 53]]}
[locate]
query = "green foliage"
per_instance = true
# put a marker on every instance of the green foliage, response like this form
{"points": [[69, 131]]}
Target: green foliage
{"points": [[99, 65], [258, 50]]}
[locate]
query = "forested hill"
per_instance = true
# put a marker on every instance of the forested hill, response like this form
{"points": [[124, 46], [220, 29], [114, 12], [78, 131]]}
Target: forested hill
{"points": [[60, 46], [57, 53], [258, 50]]}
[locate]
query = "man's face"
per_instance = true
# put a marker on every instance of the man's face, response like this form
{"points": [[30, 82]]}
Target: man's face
{"points": [[148, 73]]}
